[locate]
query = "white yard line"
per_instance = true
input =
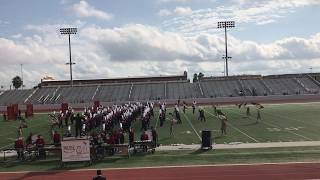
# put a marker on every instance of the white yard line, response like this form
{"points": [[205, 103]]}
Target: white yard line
{"points": [[235, 128], [155, 126], [192, 126], [276, 126], [284, 117], [269, 124]]}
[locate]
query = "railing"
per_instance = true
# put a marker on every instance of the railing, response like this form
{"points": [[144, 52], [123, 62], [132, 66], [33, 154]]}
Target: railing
{"points": [[31, 95], [302, 85], [95, 92], [200, 89]]}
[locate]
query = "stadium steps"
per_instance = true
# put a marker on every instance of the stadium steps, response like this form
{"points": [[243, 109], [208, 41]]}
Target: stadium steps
{"points": [[200, 88], [53, 97], [255, 86], [165, 91], [268, 88], [33, 92], [95, 92], [130, 91], [246, 90], [302, 85], [314, 80]]}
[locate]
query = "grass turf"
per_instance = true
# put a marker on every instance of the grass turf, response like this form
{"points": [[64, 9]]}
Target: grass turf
{"points": [[176, 158], [280, 123]]}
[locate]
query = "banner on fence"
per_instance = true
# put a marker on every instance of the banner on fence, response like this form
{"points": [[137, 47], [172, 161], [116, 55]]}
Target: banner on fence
{"points": [[75, 150]]}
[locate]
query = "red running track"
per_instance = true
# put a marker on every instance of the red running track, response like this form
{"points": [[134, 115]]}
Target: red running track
{"points": [[234, 172]]}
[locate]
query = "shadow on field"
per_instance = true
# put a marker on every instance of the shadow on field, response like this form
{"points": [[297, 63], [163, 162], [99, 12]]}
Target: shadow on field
{"points": [[249, 124]]}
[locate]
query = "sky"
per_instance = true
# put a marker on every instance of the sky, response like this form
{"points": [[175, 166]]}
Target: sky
{"points": [[127, 38]]}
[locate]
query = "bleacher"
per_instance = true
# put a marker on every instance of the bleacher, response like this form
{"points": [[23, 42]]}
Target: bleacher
{"points": [[14, 96], [147, 91], [285, 86], [182, 90], [221, 88], [309, 84], [113, 92], [150, 90], [255, 86]]}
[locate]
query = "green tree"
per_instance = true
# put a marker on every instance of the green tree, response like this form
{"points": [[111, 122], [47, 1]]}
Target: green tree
{"points": [[195, 77], [200, 76], [17, 82]]}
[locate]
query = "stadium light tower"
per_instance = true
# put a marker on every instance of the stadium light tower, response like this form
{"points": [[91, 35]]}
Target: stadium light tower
{"points": [[69, 31], [225, 25], [21, 75]]}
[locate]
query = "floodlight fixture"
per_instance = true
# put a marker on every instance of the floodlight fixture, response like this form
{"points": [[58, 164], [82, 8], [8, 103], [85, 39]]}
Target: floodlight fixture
{"points": [[225, 25], [68, 31]]}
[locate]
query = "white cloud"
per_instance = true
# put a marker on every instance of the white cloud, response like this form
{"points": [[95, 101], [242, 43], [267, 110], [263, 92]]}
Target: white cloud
{"points": [[178, 11], [164, 12], [137, 50], [4, 23], [84, 9], [16, 36], [176, 1], [183, 11], [245, 11]]}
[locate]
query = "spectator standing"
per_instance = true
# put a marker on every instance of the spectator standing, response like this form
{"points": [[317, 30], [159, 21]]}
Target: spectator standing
{"points": [[40, 145], [154, 136], [131, 137], [194, 106], [19, 146], [56, 138], [99, 176], [78, 125]]}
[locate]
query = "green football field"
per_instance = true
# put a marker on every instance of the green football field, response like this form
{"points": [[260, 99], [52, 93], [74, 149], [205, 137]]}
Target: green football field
{"points": [[280, 123]]}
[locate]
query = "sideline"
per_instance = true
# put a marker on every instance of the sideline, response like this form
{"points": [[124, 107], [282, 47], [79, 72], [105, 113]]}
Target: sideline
{"points": [[166, 167]]}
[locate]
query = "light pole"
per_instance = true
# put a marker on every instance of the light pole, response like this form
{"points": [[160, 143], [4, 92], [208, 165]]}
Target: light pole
{"points": [[69, 31], [21, 75], [225, 25]]}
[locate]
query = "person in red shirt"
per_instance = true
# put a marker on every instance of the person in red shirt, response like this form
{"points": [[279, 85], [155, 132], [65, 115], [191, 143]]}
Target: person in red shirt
{"points": [[56, 138], [40, 141], [144, 136], [40, 145], [111, 139], [19, 146], [131, 137]]}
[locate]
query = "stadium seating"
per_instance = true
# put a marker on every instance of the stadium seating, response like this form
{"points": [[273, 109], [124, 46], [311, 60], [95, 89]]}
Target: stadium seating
{"points": [[309, 84], [182, 90], [152, 90], [14, 96], [113, 93], [285, 86], [256, 87], [221, 88]]}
